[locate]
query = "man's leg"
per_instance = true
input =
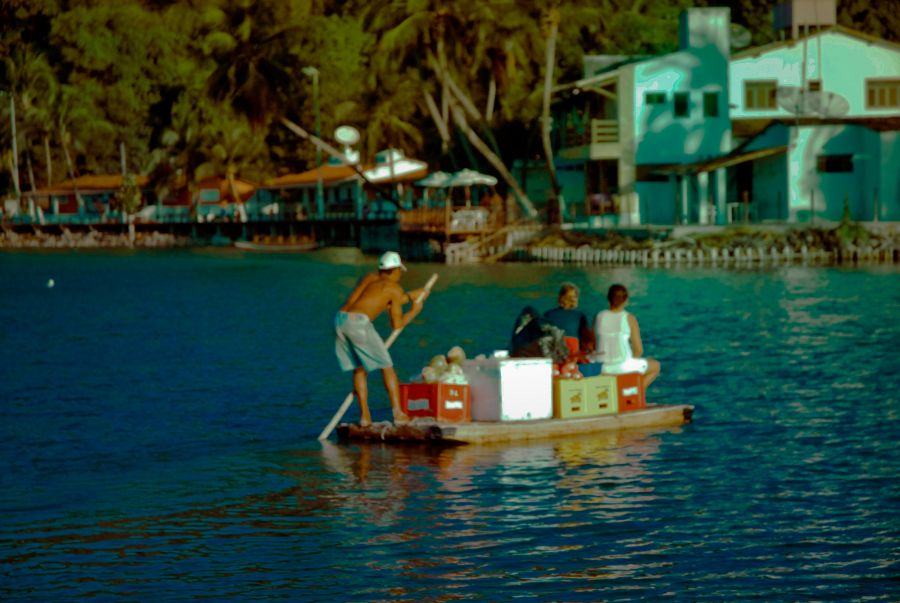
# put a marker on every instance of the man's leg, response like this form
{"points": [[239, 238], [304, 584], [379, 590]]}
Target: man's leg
{"points": [[361, 389], [392, 385], [651, 374]]}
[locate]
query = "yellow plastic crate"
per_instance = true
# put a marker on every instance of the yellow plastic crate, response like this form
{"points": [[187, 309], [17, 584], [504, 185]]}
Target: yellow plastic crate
{"points": [[600, 395], [568, 398]]}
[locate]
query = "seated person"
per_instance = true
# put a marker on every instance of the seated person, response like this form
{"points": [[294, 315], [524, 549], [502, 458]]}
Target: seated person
{"points": [[534, 337], [578, 335], [619, 345]]}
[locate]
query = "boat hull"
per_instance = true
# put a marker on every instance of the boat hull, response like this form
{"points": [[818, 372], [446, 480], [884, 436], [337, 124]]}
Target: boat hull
{"points": [[275, 247], [485, 432]]}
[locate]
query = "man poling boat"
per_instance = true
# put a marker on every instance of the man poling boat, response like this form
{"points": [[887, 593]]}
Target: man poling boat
{"points": [[359, 347]]}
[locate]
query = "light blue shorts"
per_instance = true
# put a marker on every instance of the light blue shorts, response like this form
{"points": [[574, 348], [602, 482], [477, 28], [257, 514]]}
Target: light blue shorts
{"points": [[358, 344]]}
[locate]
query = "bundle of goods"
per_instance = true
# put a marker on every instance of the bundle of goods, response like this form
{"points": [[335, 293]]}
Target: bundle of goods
{"points": [[446, 368], [567, 370]]}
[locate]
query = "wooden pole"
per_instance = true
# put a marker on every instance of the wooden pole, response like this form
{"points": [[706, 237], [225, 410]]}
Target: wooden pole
{"points": [[390, 340]]}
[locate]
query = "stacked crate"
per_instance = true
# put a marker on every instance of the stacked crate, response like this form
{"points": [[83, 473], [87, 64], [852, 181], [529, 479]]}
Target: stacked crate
{"points": [[445, 402], [597, 396]]}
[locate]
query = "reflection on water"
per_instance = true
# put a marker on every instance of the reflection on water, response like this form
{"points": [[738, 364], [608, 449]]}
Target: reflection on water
{"points": [[538, 500]]}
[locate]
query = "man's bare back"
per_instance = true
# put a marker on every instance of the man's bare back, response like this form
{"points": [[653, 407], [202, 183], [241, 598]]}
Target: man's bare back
{"points": [[374, 294]]}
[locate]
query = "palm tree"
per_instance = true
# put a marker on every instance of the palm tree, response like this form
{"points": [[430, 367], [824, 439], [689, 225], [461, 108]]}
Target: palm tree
{"points": [[237, 149], [437, 41], [76, 118], [571, 17], [28, 79], [551, 26], [256, 49]]}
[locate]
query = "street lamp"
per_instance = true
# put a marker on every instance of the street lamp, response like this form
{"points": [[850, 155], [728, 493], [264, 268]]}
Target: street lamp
{"points": [[320, 195]]}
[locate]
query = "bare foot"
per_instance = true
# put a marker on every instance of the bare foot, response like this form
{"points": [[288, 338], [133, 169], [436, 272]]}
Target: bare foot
{"points": [[365, 423], [400, 417]]}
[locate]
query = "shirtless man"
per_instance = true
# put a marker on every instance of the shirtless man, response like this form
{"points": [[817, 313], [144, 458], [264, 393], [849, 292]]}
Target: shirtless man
{"points": [[357, 344]]}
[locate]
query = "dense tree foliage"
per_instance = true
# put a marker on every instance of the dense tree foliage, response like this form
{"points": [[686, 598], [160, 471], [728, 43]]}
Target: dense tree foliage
{"points": [[185, 89]]}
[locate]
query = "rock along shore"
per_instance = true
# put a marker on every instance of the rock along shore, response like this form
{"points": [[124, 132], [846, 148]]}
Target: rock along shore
{"points": [[91, 239]]}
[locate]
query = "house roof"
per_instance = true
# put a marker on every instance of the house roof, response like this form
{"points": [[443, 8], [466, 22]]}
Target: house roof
{"points": [[90, 185], [331, 175], [340, 174], [708, 165], [759, 50], [245, 188]]}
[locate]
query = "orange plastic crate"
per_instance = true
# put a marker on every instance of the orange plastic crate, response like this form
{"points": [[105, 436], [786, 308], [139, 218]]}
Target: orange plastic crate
{"points": [[447, 402], [629, 391]]}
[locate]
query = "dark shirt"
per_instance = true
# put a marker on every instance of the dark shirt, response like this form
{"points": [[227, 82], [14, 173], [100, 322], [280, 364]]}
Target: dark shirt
{"points": [[572, 322], [534, 336]]}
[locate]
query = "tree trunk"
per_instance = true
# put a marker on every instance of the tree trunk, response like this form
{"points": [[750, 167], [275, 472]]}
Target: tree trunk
{"points": [[31, 204], [71, 167], [441, 125], [49, 161], [326, 147], [553, 22], [232, 184], [491, 99], [492, 158], [125, 213], [15, 152], [458, 100]]}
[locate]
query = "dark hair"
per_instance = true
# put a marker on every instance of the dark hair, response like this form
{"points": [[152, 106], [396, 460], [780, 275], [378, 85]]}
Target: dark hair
{"points": [[617, 295]]}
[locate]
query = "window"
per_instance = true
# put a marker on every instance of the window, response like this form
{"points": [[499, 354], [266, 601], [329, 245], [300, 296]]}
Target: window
{"points": [[655, 98], [681, 104], [710, 104], [834, 163], [882, 94], [759, 95]]}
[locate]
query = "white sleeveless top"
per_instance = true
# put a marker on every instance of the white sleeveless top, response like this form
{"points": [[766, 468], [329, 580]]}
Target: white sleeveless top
{"points": [[614, 344]]}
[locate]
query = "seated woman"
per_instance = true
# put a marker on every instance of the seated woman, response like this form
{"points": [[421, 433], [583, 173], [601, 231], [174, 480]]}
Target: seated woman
{"points": [[619, 345], [578, 335]]}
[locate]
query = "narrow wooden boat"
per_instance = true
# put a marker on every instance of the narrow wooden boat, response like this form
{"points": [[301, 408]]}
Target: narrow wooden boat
{"points": [[427, 430], [275, 246]]}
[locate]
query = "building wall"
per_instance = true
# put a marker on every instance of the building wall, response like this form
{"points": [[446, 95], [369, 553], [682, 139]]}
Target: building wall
{"points": [[770, 188], [889, 182], [661, 137], [700, 67], [840, 61], [829, 189], [656, 201]]}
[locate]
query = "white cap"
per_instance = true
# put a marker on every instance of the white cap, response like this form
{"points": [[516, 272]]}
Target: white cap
{"points": [[390, 260]]}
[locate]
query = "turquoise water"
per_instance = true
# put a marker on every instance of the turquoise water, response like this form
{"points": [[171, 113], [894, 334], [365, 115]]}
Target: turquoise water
{"points": [[160, 414]]}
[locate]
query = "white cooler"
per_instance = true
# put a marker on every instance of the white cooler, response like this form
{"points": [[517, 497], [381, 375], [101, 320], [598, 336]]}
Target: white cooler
{"points": [[510, 389]]}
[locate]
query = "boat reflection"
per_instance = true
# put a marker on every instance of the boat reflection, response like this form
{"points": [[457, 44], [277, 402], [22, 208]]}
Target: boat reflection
{"points": [[582, 472]]}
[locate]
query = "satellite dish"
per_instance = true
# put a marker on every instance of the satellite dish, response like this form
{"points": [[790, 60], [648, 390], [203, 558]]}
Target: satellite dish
{"points": [[833, 104], [740, 36], [346, 135], [798, 101]]}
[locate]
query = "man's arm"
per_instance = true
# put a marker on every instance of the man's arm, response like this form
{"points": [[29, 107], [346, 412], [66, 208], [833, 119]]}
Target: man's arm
{"points": [[637, 346], [398, 318]]}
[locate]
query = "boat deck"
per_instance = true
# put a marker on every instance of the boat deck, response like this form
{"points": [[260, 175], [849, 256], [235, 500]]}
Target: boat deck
{"points": [[482, 432]]}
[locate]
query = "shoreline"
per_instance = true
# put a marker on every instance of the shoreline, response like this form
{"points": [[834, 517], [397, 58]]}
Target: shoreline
{"points": [[836, 243]]}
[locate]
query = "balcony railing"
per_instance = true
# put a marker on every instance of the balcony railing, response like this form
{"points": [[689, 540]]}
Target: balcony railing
{"points": [[599, 131]]}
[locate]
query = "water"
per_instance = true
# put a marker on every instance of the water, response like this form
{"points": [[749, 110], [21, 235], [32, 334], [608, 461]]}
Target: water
{"points": [[160, 414]]}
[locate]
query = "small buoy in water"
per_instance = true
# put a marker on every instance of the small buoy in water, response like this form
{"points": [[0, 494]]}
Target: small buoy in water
{"points": [[50, 283]]}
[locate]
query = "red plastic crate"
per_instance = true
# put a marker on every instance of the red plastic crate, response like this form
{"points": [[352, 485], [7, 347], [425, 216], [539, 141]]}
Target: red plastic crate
{"points": [[630, 393], [447, 402]]}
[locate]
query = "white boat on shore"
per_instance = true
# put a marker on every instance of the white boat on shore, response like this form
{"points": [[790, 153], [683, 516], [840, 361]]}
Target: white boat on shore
{"points": [[278, 245]]}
